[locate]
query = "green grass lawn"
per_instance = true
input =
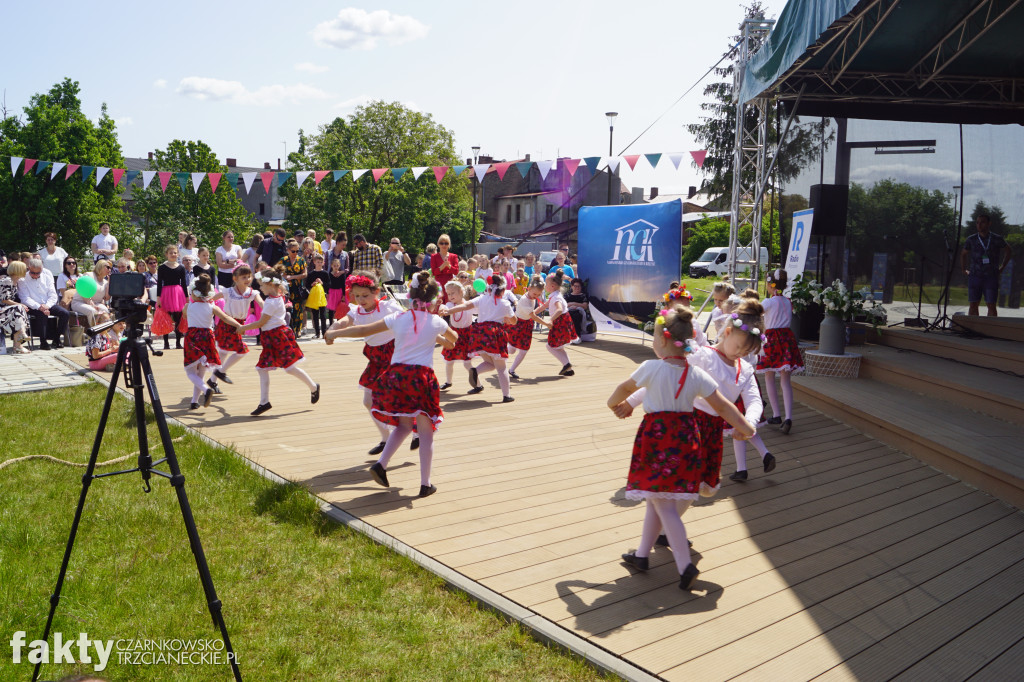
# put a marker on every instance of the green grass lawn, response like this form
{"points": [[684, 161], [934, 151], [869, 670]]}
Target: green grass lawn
{"points": [[304, 598]]}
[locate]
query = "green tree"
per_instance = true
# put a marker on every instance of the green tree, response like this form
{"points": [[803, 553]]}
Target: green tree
{"points": [[53, 127], [161, 215], [381, 135], [713, 232]]}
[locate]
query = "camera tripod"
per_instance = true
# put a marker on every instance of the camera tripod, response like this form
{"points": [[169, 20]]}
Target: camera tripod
{"points": [[133, 361]]}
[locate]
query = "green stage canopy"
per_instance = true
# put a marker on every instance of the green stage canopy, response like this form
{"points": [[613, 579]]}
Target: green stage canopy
{"points": [[946, 61]]}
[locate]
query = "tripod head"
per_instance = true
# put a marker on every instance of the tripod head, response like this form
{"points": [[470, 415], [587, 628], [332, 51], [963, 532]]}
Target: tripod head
{"points": [[125, 291]]}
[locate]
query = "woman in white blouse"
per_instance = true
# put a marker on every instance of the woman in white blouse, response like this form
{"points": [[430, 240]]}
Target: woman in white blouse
{"points": [[91, 307]]}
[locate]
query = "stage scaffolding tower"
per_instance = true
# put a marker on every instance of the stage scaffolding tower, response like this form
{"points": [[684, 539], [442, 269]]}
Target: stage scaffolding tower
{"points": [[749, 162]]}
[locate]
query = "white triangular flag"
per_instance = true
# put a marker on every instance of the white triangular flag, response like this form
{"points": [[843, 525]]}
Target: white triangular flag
{"points": [[481, 170], [675, 159], [247, 180], [300, 177], [15, 162], [357, 173], [100, 172], [147, 177], [418, 171], [544, 167], [612, 162], [197, 180], [57, 168]]}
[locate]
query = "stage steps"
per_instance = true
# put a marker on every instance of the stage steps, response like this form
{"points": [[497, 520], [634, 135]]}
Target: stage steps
{"points": [[1007, 356]]}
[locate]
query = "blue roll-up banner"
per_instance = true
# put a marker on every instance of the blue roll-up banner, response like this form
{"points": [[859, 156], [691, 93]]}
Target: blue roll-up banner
{"points": [[629, 256]]}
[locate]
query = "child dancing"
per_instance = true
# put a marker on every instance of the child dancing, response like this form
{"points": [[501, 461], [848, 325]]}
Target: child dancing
{"points": [[520, 337], [462, 323], [781, 353], [562, 330], [200, 349], [237, 300]]}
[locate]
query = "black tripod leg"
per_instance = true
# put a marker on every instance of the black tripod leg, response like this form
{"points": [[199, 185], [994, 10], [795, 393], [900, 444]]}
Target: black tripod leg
{"points": [[145, 461], [178, 481], [86, 481]]}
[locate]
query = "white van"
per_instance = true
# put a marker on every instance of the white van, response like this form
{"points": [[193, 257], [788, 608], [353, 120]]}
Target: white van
{"points": [[715, 261]]}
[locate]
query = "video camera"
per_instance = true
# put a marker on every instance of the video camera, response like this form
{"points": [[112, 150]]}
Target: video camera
{"points": [[125, 290]]}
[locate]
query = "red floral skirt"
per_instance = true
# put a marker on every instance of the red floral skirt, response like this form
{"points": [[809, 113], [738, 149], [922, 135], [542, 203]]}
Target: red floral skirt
{"points": [[379, 360], [279, 349], [780, 353], [228, 339], [562, 332], [521, 335], [490, 338], [462, 347], [726, 429], [668, 460], [710, 427], [199, 347], [407, 391]]}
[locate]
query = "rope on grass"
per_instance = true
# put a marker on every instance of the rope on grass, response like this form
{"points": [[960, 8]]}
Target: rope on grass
{"points": [[118, 460]]}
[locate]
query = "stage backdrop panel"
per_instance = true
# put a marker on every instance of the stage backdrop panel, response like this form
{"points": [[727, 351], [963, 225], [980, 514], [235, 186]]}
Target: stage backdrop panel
{"points": [[630, 255]]}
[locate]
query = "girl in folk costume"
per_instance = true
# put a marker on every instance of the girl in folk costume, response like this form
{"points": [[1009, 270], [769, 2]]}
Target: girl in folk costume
{"points": [[367, 308], [562, 330], [720, 293], [336, 289], [490, 340], [280, 350], [668, 467], [781, 354], [520, 337], [171, 279], [237, 301], [462, 323], [200, 349], [406, 395]]}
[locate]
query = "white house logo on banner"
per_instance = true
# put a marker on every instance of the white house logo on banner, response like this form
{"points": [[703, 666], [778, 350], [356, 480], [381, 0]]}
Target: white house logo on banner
{"points": [[634, 244], [798, 244]]}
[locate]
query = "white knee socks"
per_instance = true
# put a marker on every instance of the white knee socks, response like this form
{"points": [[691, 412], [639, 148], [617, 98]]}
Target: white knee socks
{"points": [[520, 356], [195, 375], [301, 376], [559, 354], [230, 359], [773, 393], [264, 386], [674, 529], [394, 441], [368, 404], [787, 393]]}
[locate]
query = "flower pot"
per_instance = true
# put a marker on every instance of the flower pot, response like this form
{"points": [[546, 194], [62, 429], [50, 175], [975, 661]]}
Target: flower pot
{"points": [[832, 335]]}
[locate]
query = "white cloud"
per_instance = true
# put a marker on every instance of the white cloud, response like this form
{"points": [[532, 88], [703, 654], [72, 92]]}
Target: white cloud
{"points": [[353, 102], [123, 121], [233, 91], [310, 67], [160, 83], [357, 29]]}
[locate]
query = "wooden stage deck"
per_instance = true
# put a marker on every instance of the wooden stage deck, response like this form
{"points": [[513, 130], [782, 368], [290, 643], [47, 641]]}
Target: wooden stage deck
{"points": [[850, 561]]}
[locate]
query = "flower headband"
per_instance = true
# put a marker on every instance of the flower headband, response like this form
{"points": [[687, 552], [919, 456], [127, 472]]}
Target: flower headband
{"points": [[680, 293], [193, 291], [360, 281], [739, 324], [685, 345]]}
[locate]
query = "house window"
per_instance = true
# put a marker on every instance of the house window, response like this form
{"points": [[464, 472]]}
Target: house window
{"points": [[519, 213], [263, 209], [549, 211], [526, 213], [508, 214]]}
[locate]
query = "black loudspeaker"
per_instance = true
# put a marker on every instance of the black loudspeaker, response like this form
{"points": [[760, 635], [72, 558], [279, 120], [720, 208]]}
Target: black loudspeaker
{"points": [[830, 203]]}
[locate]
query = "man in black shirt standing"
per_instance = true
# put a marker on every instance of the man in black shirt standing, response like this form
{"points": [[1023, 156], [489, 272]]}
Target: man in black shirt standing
{"points": [[984, 256], [272, 250]]}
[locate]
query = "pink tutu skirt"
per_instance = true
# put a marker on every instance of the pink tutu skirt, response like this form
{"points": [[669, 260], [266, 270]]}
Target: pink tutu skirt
{"points": [[172, 298], [335, 297]]}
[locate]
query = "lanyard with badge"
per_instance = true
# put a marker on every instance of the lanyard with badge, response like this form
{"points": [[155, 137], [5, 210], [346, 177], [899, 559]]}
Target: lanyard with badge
{"points": [[984, 255]]}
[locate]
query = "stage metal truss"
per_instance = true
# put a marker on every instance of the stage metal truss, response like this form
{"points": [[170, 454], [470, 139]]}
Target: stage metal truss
{"points": [[894, 87], [967, 31]]}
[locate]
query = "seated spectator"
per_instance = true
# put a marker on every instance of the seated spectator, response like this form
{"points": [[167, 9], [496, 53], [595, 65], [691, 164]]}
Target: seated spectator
{"points": [[92, 307], [152, 264], [52, 255], [129, 256], [40, 295], [13, 314], [188, 262], [3, 258], [579, 307], [102, 348], [66, 282]]}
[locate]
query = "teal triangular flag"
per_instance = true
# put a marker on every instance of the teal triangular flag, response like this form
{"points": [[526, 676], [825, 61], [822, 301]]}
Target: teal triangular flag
{"points": [[592, 162], [232, 179], [41, 166], [524, 168], [282, 178], [338, 175], [458, 170], [129, 177], [182, 180], [397, 173], [86, 172], [653, 159]]}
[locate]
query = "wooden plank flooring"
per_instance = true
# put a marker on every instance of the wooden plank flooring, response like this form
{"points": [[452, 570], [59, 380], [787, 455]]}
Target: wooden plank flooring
{"points": [[850, 561]]}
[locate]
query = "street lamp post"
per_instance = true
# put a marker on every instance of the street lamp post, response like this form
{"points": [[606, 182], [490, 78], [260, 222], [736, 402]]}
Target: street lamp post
{"points": [[611, 132], [476, 154]]}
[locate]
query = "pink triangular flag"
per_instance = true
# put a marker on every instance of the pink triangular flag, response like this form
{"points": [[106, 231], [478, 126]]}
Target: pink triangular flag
{"points": [[267, 178], [72, 167], [165, 177], [571, 165], [378, 173], [698, 157], [675, 159], [247, 180], [481, 170], [318, 176], [29, 165], [631, 159], [214, 180], [440, 172], [15, 162], [501, 169], [117, 174]]}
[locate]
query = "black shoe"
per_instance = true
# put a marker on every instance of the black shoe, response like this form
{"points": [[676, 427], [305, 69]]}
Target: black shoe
{"points": [[315, 395], [474, 391], [474, 378], [786, 426], [260, 410], [221, 375], [213, 386], [688, 578], [167, 346], [207, 397], [427, 490], [567, 370], [377, 449], [774, 421], [740, 475], [640, 563], [415, 444], [193, 406], [57, 344], [379, 475], [507, 399], [512, 375], [43, 345], [769, 462], [445, 386], [662, 541]]}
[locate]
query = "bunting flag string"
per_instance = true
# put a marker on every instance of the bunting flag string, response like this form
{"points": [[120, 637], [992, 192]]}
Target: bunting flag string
{"points": [[57, 168], [116, 175], [378, 173], [197, 180], [300, 177], [28, 165], [41, 167], [100, 172]]}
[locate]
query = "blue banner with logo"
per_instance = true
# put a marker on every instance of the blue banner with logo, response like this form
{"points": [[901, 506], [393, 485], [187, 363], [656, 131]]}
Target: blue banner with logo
{"points": [[629, 256]]}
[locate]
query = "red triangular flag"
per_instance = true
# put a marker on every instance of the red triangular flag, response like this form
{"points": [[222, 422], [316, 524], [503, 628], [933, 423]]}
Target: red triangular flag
{"points": [[571, 165], [501, 169], [440, 172], [165, 177], [117, 174], [631, 159], [318, 176], [214, 180], [29, 164], [378, 173], [267, 178], [698, 157], [72, 167]]}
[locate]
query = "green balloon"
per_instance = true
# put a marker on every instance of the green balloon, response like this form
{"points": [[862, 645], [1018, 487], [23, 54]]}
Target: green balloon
{"points": [[479, 285], [86, 286]]}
